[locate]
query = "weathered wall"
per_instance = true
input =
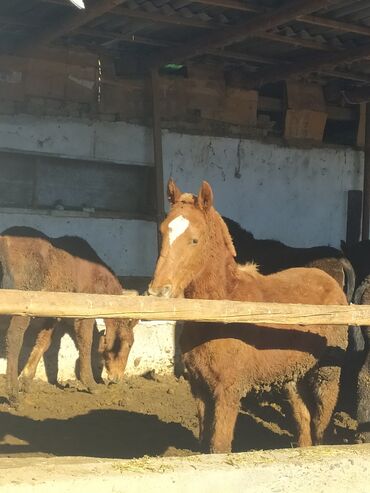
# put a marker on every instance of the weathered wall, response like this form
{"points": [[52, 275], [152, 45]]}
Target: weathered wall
{"points": [[295, 195]]}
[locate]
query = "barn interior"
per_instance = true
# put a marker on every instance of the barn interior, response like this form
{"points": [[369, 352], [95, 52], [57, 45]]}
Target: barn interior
{"points": [[267, 100]]}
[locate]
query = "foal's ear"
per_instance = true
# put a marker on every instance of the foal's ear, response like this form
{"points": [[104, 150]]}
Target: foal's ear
{"points": [[173, 192], [205, 196]]}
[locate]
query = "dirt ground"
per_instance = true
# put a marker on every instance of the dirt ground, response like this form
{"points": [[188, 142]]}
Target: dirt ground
{"points": [[143, 416]]}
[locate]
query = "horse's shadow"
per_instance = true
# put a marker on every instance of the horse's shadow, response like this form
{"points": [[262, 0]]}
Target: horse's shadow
{"points": [[100, 433]]}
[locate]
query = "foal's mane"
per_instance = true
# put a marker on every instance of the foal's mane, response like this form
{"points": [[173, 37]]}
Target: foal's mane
{"points": [[225, 233]]}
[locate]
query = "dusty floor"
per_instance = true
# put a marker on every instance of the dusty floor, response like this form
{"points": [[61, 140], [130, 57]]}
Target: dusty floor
{"points": [[143, 416]]}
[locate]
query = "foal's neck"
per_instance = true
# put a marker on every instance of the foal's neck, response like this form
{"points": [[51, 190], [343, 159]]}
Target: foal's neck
{"points": [[219, 275]]}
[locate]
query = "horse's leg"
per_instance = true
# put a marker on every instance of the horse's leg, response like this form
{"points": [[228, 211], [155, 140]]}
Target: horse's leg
{"points": [[16, 330], [42, 344], [84, 335], [301, 415], [363, 393], [226, 408], [325, 386], [200, 401]]}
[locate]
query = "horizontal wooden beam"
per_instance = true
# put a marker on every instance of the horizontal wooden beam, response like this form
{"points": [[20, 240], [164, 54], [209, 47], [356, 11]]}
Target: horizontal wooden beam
{"points": [[77, 305], [315, 20], [177, 20], [296, 41], [346, 27], [233, 5], [309, 65], [239, 32]]}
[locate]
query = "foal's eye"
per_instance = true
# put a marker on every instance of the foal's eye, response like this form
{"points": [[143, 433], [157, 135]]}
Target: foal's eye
{"points": [[194, 241]]}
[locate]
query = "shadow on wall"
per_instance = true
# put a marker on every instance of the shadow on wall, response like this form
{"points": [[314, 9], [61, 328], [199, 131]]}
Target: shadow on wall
{"points": [[51, 355]]}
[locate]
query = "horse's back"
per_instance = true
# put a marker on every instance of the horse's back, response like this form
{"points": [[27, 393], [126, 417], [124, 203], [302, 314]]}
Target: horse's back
{"points": [[31, 260]]}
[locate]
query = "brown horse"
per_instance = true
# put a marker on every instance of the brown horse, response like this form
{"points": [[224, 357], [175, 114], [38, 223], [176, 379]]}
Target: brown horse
{"points": [[273, 256], [30, 260], [224, 362]]}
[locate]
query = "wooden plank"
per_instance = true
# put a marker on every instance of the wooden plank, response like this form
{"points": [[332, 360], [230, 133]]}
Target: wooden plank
{"points": [[300, 122], [158, 152], [239, 32], [305, 124], [296, 41], [238, 107], [78, 305], [366, 186], [360, 139]]}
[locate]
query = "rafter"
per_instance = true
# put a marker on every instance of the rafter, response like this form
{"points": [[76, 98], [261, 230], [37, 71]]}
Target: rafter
{"points": [[296, 41], [315, 20], [177, 20], [347, 27], [67, 24], [308, 65], [243, 30]]}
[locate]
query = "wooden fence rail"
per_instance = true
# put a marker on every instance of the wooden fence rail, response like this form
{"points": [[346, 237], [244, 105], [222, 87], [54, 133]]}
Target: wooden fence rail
{"points": [[77, 305]]}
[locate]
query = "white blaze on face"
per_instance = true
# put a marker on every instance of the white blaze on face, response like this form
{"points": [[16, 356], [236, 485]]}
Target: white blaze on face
{"points": [[177, 227]]}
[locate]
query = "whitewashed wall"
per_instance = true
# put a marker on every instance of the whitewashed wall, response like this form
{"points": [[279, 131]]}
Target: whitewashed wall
{"points": [[298, 196], [295, 195]]}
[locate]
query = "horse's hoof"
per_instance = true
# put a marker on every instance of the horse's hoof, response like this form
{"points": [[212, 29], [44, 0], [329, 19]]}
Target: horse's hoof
{"points": [[94, 389]]}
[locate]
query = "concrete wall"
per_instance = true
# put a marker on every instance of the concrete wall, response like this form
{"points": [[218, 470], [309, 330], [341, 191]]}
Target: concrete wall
{"points": [[295, 195]]}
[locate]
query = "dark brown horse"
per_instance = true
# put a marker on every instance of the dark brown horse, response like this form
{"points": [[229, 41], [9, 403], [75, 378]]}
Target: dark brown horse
{"points": [[224, 362], [273, 256], [29, 260], [359, 254]]}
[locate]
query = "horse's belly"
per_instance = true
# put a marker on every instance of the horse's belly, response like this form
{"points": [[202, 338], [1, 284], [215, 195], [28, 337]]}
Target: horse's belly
{"points": [[251, 356]]}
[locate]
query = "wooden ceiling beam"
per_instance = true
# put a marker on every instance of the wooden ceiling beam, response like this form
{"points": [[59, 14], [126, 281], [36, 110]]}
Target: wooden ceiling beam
{"points": [[309, 65], [347, 27], [242, 6], [231, 54], [232, 5], [314, 20], [177, 20], [296, 41], [67, 24], [239, 32]]}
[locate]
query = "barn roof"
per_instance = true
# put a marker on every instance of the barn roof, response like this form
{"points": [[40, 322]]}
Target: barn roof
{"points": [[265, 41]]}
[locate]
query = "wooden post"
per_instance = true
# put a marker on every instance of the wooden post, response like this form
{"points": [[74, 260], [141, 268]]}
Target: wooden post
{"points": [[158, 155], [366, 188]]}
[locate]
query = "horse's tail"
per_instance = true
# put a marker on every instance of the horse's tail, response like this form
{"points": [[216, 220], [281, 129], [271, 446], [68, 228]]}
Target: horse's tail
{"points": [[350, 278]]}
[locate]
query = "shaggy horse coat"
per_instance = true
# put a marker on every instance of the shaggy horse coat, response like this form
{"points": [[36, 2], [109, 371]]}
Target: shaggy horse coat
{"points": [[29, 260], [273, 256], [224, 362]]}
